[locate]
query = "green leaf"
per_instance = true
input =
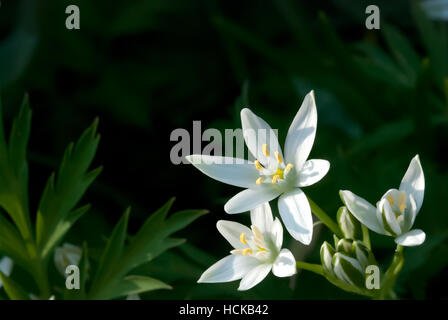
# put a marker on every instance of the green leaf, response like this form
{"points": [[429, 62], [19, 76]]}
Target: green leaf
{"points": [[11, 243], [149, 241], [434, 43], [14, 170], [64, 190], [134, 284], [111, 255], [13, 289], [404, 53]]}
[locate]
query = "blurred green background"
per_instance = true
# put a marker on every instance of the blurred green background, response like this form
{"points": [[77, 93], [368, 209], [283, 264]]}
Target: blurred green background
{"points": [[147, 67]]}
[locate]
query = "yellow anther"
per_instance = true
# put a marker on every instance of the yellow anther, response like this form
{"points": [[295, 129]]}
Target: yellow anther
{"points": [[262, 250], [402, 201], [275, 178], [288, 167], [265, 149], [278, 156], [259, 180], [391, 200], [258, 165], [247, 252], [243, 238]]}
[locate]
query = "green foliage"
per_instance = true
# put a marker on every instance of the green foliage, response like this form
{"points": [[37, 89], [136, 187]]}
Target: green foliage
{"points": [[57, 213]]}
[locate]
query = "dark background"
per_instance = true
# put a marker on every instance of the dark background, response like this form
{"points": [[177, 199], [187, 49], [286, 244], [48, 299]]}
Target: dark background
{"points": [[148, 67]]}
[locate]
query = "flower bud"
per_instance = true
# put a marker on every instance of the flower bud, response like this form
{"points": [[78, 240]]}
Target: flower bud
{"points": [[348, 270], [326, 254], [347, 262], [66, 255], [350, 227]]}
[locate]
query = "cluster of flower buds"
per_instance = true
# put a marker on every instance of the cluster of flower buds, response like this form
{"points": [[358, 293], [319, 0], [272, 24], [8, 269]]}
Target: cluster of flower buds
{"points": [[349, 258]]}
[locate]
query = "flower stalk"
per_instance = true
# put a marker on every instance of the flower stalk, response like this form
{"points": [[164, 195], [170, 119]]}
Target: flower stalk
{"points": [[325, 218]]}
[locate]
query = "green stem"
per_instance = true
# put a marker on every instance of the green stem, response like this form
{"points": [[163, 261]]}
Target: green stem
{"points": [[316, 268], [325, 218], [391, 274]]}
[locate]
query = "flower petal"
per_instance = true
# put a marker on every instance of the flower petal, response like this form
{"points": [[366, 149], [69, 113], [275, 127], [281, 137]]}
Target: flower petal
{"points": [[254, 276], [414, 181], [389, 215], [233, 171], [296, 215], [412, 238], [250, 198], [261, 217], [6, 265], [301, 133], [232, 231], [285, 264], [313, 171], [277, 233], [362, 210], [230, 268], [257, 132]]}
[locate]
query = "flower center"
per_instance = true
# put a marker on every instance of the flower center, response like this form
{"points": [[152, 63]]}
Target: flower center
{"points": [[398, 205], [272, 172], [255, 244]]}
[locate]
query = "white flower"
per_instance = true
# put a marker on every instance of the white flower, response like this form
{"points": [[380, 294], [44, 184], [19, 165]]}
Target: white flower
{"points": [[395, 213], [66, 255], [6, 265], [273, 175], [256, 251]]}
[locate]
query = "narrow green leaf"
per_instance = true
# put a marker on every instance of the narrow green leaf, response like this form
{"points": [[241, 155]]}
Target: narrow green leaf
{"points": [[134, 284], [111, 258], [64, 190], [13, 289]]}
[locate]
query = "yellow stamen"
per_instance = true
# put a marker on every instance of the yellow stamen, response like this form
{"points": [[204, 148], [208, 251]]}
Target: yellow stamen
{"points": [[259, 180], [402, 201], [275, 178], [391, 200], [265, 149], [262, 249], [258, 165], [288, 167], [243, 238], [278, 156], [247, 252], [257, 233]]}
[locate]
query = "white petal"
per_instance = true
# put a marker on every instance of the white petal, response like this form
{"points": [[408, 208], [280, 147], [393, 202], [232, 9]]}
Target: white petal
{"points": [[6, 265], [301, 133], [254, 276], [339, 271], [261, 217], [233, 171], [251, 198], [277, 234], [414, 182], [412, 238], [285, 264], [230, 268], [296, 215], [362, 210], [392, 222], [232, 231], [410, 213], [312, 171], [257, 132]]}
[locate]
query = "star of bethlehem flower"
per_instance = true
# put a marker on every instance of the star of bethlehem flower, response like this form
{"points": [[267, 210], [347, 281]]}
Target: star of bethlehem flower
{"points": [[395, 213], [273, 174], [256, 252], [66, 255]]}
